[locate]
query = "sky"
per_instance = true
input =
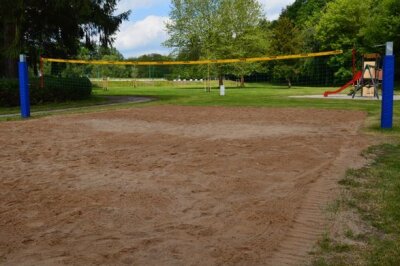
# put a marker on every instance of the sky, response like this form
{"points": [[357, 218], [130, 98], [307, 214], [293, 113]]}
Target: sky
{"points": [[145, 32]]}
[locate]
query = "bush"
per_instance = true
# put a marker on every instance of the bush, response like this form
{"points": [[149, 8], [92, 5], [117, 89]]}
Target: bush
{"points": [[9, 92], [61, 89], [55, 90]]}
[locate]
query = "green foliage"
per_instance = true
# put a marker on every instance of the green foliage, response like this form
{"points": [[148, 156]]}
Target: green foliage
{"points": [[300, 11], [217, 29], [344, 24], [58, 89], [384, 26], [153, 71], [55, 28], [374, 193], [193, 27], [384, 23], [340, 28], [111, 71], [286, 40], [90, 70], [241, 35], [9, 92]]}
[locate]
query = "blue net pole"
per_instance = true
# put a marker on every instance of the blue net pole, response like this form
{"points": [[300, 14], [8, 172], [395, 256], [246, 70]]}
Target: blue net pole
{"points": [[24, 87], [388, 88]]}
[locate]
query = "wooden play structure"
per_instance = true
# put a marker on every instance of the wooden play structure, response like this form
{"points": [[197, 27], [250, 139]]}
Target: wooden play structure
{"points": [[371, 77], [367, 81]]}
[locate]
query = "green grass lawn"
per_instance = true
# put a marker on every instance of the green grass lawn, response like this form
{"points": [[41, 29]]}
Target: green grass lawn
{"points": [[375, 197], [372, 194]]}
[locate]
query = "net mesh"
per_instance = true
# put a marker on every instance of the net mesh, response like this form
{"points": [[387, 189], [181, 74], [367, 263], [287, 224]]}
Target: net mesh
{"points": [[325, 71]]}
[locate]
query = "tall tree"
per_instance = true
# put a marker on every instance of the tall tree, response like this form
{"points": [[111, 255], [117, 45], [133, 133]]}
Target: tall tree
{"points": [[286, 40], [193, 27], [384, 26], [11, 18], [215, 29], [55, 28], [300, 11], [89, 70], [241, 35], [163, 71], [340, 28]]}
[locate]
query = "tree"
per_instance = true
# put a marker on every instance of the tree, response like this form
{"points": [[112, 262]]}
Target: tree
{"points": [[340, 28], [55, 28], [384, 26], [216, 29], [153, 71], [286, 40], [242, 35], [10, 39], [193, 27], [300, 11]]}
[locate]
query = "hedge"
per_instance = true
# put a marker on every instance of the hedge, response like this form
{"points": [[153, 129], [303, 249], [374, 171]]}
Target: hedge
{"points": [[55, 90], [9, 92]]}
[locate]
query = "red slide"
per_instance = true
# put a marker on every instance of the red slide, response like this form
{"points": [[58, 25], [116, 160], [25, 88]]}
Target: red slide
{"points": [[356, 77]]}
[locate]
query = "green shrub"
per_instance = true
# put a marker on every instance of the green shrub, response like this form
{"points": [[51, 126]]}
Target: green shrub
{"points": [[55, 90], [61, 89], [9, 92]]}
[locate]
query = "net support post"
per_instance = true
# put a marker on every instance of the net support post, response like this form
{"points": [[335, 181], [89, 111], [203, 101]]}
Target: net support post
{"points": [[388, 88], [24, 87]]}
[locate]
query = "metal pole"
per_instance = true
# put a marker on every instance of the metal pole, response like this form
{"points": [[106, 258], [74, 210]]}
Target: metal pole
{"points": [[24, 87], [388, 88]]}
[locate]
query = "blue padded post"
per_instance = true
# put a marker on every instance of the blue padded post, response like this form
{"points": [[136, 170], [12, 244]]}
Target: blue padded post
{"points": [[388, 87], [24, 87]]}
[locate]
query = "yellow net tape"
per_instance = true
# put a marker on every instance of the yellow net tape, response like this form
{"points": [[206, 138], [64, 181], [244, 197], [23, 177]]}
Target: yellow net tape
{"points": [[200, 62]]}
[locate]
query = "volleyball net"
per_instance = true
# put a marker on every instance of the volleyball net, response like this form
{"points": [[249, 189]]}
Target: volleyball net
{"points": [[306, 69]]}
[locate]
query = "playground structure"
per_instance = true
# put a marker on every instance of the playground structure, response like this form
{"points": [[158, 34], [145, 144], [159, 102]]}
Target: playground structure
{"points": [[367, 81]]}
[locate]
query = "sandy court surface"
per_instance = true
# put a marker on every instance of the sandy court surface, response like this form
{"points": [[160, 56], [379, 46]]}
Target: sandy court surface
{"points": [[171, 185]]}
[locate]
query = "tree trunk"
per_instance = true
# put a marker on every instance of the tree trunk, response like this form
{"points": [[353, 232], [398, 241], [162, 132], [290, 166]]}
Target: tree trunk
{"points": [[242, 81], [35, 69], [221, 80], [289, 83], [10, 68], [9, 61]]}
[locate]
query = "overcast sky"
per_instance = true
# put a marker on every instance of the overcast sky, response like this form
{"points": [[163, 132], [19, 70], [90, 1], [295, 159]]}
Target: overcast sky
{"points": [[145, 30]]}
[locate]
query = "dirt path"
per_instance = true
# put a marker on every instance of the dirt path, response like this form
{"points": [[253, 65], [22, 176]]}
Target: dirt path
{"points": [[172, 185]]}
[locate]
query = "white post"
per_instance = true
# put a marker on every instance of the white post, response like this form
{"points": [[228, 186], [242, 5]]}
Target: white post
{"points": [[222, 90]]}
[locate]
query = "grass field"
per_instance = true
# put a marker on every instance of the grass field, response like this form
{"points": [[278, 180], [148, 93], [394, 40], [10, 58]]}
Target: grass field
{"points": [[367, 232], [371, 194]]}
